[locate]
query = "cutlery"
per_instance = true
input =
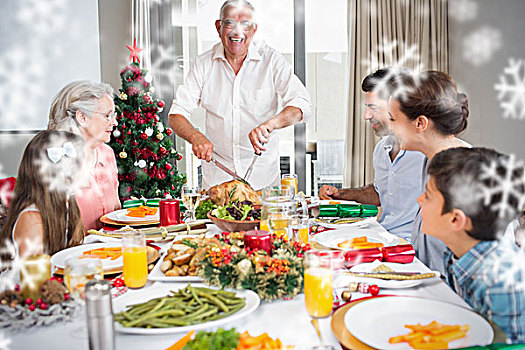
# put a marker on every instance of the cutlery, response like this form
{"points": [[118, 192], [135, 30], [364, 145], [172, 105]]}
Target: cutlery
{"points": [[228, 171]]}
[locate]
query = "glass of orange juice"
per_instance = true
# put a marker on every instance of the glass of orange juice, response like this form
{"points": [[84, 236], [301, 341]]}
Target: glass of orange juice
{"points": [[318, 288], [300, 227], [135, 259], [289, 180], [78, 272]]}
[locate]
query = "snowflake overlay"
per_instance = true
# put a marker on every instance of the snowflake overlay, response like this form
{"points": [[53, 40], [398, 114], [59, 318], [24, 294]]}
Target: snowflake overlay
{"points": [[408, 61], [512, 95], [480, 45], [4, 342], [463, 10], [507, 185]]}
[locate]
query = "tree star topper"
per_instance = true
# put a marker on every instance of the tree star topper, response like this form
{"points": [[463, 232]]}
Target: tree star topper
{"points": [[134, 54]]}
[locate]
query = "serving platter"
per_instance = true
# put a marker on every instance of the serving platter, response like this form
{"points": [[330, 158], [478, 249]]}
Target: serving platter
{"points": [[158, 290]]}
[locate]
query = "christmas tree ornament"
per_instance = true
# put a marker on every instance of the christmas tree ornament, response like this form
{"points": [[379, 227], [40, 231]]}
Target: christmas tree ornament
{"points": [[123, 96], [148, 131], [160, 136], [148, 78], [152, 89], [129, 133], [168, 166], [123, 155], [160, 127], [142, 136], [160, 103], [179, 157], [169, 131], [141, 163], [134, 51], [116, 133]]}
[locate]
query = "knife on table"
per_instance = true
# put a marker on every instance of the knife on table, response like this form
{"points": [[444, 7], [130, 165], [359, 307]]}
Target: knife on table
{"points": [[227, 171]]}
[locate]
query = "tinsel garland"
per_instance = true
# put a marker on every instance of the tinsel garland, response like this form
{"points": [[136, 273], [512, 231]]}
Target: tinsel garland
{"points": [[231, 265]]}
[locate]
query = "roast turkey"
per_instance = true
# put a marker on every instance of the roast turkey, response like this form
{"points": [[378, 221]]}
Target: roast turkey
{"points": [[233, 190]]}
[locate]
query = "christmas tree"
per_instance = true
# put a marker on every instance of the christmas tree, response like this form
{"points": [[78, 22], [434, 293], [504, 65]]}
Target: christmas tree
{"points": [[142, 144]]}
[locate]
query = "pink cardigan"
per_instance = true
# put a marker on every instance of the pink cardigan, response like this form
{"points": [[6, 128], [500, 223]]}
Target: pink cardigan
{"points": [[101, 194]]}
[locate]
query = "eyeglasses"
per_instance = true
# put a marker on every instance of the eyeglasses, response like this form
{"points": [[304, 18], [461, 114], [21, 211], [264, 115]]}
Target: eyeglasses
{"points": [[230, 23], [109, 116]]}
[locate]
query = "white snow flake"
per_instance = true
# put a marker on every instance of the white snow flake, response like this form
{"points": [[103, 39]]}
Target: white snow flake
{"points": [[463, 10], [511, 94], [480, 45], [503, 173]]}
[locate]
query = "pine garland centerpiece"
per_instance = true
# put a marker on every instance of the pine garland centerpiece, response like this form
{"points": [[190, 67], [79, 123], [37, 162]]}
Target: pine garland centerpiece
{"points": [[275, 276]]}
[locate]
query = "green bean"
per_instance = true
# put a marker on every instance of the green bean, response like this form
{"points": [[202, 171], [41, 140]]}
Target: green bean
{"points": [[213, 299]]}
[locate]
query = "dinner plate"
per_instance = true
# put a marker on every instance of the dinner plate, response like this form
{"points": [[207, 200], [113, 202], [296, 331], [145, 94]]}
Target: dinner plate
{"points": [[376, 320], [59, 259], [163, 289], [332, 238], [388, 284], [335, 201], [121, 216]]}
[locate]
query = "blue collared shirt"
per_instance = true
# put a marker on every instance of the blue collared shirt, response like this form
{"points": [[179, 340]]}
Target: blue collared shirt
{"points": [[398, 184], [491, 279]]}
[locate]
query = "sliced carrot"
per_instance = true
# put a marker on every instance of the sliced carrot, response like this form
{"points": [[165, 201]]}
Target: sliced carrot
{"points": [[182, 341]]}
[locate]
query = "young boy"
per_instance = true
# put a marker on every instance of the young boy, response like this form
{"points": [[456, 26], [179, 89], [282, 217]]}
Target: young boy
{"points": [[464, 207]]}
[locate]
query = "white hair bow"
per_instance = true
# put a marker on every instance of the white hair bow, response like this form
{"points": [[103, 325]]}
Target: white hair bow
{"points": [[56, 153]]}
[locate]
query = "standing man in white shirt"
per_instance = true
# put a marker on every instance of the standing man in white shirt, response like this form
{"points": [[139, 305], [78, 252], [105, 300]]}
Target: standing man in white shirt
{"points": [[398, 173], [239, 83]]}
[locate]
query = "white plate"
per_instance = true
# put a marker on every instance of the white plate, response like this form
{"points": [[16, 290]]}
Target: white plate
{"points": [[333, 237], [163, 289], [389, 284], [339, 201], [376, 320], [157, 275], [121, 216], [59, 259]]}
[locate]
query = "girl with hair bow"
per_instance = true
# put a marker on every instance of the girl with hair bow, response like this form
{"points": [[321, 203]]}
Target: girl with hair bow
{"points": [[43, 216]]}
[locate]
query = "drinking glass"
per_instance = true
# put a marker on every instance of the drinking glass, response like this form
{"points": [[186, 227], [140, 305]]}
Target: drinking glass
{"points": [[300, 227], [135, 258], [191, 198], [318, 288], [279, 221], [289, 180], [78, 272], [274, 197]]}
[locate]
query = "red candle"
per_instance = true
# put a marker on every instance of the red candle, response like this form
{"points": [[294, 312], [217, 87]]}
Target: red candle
{"points": [[258, 239], [169, 211], [403, 254], [359, 256]]}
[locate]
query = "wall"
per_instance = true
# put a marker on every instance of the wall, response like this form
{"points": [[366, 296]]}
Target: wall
{"points": [[43, 46], [476, 64]]}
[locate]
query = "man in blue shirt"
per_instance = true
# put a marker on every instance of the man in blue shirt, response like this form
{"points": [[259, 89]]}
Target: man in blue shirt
{"points": [[397, 181], [464, 206]]}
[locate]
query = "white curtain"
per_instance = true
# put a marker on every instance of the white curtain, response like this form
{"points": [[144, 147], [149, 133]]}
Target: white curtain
{"points": [[140, 29]]}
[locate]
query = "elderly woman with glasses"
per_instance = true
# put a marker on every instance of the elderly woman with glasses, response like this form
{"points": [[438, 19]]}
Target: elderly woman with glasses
{"points": [[86, 108]]}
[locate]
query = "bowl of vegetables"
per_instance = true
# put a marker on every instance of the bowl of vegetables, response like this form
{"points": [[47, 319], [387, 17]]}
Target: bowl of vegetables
{"points": [[236, 216]]}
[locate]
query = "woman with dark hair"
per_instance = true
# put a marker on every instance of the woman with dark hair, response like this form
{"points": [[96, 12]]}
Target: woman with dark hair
{"points": [[43, 216], [426, 114]]}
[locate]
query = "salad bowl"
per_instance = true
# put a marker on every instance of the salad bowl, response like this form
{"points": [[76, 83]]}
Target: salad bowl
{"points": [[233, 225]]}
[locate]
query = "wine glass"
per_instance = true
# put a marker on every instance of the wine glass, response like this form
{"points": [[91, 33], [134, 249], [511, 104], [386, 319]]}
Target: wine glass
{"points": [[191, 198], [318, 289], [279, 221]]}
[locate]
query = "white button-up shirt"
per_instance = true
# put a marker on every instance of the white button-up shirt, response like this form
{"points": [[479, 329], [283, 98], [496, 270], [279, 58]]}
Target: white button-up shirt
{"points": [[235, 104]]}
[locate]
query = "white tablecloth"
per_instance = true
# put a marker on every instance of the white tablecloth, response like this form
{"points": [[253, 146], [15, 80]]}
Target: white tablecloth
{"points": [[285, 319]]}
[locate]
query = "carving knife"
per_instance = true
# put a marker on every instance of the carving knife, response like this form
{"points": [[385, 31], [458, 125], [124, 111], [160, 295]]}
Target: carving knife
{"points": [[227, 171]]}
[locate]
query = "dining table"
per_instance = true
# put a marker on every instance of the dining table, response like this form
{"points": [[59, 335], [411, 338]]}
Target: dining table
{"points": [[287, 320]]}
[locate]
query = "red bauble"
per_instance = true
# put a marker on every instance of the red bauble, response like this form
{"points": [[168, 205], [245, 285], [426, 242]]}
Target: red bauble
{"points": [[144, 136], [169, 131], [168, 166], [173, 187], [373, 289], [123, 126], [160, 104], [139, 111], [179, 157], [129, 132], [162, 150], [135, 143]]}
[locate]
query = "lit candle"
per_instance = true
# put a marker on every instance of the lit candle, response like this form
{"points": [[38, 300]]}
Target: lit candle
{"points": [[257, 239], [34, 271]]}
